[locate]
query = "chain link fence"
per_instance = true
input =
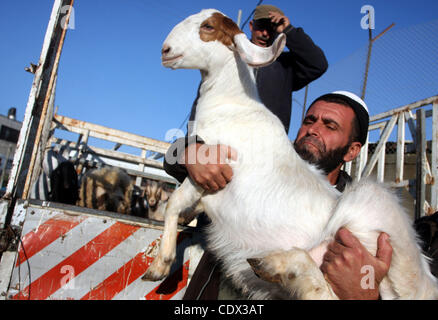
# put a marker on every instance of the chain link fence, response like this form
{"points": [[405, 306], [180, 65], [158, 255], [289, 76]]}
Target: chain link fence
{"points": [[403, 69]]}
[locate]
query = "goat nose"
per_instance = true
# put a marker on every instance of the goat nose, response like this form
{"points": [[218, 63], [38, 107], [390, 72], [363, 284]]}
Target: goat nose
{"points": [[165, 50]]}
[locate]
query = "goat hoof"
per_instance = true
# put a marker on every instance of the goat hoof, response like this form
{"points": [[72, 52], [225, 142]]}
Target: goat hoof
{"points": [[157, 271], [150, 276], [262, 270]]}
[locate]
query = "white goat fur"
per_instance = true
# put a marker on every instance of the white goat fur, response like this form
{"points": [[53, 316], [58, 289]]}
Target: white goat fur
{"points": [[276, 201]]}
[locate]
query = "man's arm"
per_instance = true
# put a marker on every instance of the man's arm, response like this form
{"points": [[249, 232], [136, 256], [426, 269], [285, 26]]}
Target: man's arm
{"points": [[343, 266], [173, 164], [207, 165], [307, 59]]}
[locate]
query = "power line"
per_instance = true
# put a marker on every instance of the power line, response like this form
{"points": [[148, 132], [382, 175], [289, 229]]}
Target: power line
{"points": [[185, 120], [249, 17]]}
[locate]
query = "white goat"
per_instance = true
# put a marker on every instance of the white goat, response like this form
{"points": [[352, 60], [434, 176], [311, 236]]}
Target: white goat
{"points": [[276, 202]]}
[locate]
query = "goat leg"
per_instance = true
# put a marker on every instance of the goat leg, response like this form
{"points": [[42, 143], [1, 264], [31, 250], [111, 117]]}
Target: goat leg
{"points": [[296, 272], [185, 196]]}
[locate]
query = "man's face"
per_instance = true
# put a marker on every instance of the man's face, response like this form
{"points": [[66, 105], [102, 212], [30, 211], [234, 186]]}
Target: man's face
{"points": [[262, 32], [324, 136]]}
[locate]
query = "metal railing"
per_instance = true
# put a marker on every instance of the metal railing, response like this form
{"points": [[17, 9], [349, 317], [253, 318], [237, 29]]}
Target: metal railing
{"points": [[83, 151], [427, 170]]}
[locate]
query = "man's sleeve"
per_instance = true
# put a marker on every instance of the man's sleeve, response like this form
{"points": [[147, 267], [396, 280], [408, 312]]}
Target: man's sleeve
{"points": [[308, 61], [173, 155]]}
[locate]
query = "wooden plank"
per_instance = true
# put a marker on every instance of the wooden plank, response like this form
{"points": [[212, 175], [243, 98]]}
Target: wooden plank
{"points": [[434, 159], [399, 165], [381, 146], [39, 96], [113, 135], [361, 161], [381, 164], [411, 106], [46, 94], [421, 155], [111, 154], [130, 163], [141, 167], [411, 125], [378, 125]]}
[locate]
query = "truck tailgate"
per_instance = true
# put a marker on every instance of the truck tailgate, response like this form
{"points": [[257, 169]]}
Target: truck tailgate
{"points": [[74, 253]]}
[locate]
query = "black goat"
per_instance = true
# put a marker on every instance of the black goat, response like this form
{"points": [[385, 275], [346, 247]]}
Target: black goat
{"points": [[64, 184], [427, 228]]}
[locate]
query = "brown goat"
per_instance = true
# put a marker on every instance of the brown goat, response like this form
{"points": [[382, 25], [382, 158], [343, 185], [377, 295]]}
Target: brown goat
{"points": [[156, 196], [108, 189]]}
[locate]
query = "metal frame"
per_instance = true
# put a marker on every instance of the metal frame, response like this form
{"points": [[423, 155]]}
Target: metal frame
{"points": [[427, 171], [37, 109], [82, 151]]}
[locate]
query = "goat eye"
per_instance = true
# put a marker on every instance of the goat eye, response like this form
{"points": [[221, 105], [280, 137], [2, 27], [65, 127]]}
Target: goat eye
{"points": [[207, 27]]}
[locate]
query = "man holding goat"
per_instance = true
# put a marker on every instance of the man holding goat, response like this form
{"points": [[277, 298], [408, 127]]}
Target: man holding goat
{"points": [[334, 129]]}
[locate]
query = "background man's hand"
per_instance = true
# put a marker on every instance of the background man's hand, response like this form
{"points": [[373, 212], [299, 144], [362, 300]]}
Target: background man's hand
{"points": [[208, 165], [342, 265], [279, 20]]}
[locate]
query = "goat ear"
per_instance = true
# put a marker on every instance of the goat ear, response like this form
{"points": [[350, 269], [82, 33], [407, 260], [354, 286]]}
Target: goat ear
{"points": [[256, 56], [164, 195], [231, 29]]}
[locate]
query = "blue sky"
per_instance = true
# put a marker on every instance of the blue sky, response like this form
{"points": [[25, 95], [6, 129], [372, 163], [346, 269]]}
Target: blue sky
{"points": [[110, 71]]}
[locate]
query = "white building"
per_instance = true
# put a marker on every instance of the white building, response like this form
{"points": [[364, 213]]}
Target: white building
{"points": [[9, 132]]}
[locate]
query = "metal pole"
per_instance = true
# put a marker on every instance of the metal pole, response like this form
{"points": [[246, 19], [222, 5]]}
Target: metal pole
{"points": [[367, 66], [239, 17], [305, 102], [370, 47]]}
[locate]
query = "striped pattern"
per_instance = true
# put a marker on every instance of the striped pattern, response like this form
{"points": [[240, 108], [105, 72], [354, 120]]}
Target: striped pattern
{"points": [[41, 188], [92, 258]]}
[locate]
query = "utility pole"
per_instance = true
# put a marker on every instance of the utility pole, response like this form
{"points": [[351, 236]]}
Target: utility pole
{"points": [[305, 102], [239, 17], [371, 41]]}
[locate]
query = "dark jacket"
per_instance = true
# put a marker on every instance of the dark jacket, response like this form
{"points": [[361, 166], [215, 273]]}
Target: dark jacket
{"points": [[293, 70]]}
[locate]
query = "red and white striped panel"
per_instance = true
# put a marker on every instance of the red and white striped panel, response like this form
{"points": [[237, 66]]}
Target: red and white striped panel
{"points": [[87, 257]]}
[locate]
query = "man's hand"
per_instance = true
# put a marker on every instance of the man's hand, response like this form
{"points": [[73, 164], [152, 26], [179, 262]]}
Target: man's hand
{"points": [[279, 20], [343, 263], [208, 165]]}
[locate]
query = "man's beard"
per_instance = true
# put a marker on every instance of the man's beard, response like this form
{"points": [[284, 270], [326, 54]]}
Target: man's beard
{"points": [[324, 160]]}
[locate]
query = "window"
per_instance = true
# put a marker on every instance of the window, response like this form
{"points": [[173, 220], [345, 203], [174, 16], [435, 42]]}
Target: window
{"points": [[9, 134]]}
